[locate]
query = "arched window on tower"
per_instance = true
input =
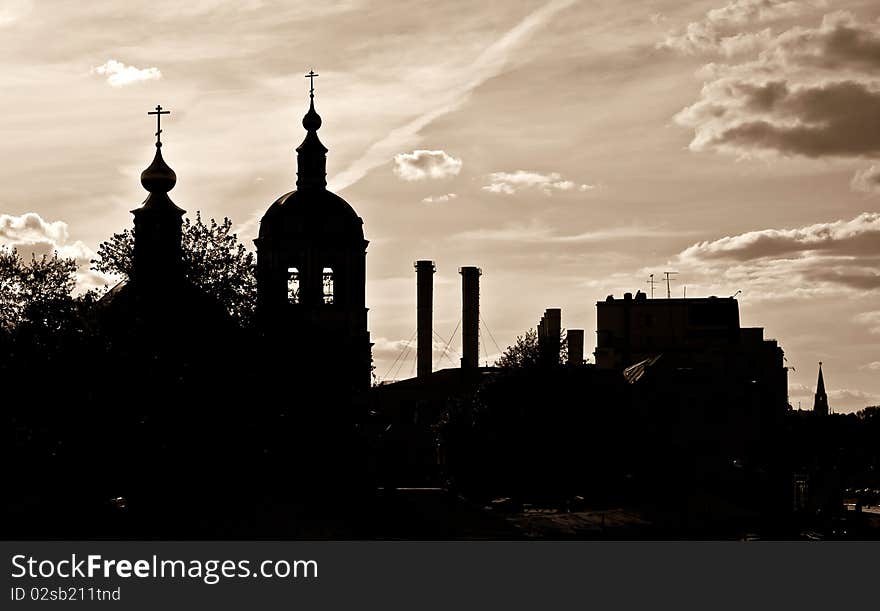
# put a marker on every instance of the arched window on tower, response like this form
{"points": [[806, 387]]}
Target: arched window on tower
{"points": [[292, 285], [327, 279]]}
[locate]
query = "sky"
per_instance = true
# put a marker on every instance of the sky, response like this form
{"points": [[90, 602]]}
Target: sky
{"points": [[569, 148]]}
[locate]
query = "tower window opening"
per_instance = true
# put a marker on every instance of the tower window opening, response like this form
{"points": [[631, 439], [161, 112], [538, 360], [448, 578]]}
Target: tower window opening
{"points": [[293, 285], [328, 285]]}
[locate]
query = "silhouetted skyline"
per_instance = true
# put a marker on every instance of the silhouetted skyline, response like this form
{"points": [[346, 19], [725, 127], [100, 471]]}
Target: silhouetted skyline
{"points": [[546, 143]]}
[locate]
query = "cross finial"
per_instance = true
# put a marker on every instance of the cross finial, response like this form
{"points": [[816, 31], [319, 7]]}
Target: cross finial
{"points": [[159, 112], [311, 76]]}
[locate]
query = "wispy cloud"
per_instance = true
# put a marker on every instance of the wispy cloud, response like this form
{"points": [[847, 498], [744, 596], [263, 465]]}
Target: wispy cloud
{"points": [[871, 320], [490, 63], [536, 233], [13, 10], [867, 180], [120, 75], [851, 398], [719, 31], [439, 199], [508, 183]]}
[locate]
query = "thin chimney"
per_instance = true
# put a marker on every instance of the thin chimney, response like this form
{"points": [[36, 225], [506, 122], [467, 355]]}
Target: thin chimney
{"points": [[424, 316], [575, 342], [470, 317]]}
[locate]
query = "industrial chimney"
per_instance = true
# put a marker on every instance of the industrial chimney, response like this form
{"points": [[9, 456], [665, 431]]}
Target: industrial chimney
{"points": [[424, 316], [549, 330], [575, 341], [470, 316]]}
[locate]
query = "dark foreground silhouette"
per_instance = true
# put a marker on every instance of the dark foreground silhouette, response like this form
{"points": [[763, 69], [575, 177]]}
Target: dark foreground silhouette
{"points": [[137, 439]]}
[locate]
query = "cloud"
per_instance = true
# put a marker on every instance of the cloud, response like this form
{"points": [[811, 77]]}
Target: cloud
{"points": [[508, 183], [815, 260], [872, 366], [401, 356], [536, 233], [422, 164], [811, 92], [851, 399], [120, 75], [719, 30], [800, 390], [439, 199], [490, 63], [14, 10], [831, 119], [658, 18], [851, 237], [867, 180], [32, 236], [870, 320]]}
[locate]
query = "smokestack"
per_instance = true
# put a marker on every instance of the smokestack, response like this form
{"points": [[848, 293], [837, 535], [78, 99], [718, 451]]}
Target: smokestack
{"points": [[424, 316], [575, 340], [470, 316], [549, 331]]}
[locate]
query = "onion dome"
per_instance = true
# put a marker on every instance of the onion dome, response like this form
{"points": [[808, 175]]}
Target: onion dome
{"points": [[158, 178]]}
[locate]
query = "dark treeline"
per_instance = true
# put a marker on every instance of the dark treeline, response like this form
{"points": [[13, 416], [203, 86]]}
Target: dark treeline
{"points": [[170, 425], [207, 429]]}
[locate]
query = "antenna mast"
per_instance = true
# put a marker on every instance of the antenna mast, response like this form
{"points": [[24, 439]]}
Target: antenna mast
{"points": [[651, 283], [668, 289]]}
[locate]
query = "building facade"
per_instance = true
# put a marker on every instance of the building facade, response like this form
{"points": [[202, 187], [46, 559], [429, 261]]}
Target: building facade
{"points": [[701, 335]]}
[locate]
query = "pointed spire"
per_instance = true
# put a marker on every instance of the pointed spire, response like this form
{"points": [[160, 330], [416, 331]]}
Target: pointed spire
{"points": [[820, 402], [311, 155]]}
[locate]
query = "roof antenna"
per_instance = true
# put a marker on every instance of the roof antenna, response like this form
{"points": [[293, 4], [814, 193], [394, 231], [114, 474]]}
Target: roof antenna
{"points": [[668, 290], [651, 283], [735, 294]]}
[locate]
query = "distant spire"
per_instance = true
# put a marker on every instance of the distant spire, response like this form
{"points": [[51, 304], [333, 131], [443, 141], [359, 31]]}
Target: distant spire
{"points": [[311, 155], [820, 403]]}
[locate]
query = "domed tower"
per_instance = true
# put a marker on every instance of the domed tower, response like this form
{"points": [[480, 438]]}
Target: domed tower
{"points": [[158, 307], [157, 224], [311, 274]]}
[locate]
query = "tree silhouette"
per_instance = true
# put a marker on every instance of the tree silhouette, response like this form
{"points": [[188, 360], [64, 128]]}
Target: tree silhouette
{"points": [[35, 292], [213, 259], [525, 352]]}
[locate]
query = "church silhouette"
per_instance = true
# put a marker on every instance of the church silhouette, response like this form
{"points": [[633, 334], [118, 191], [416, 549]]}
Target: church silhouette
{"points": [[311, 270], [311, 278], [166, 413]]}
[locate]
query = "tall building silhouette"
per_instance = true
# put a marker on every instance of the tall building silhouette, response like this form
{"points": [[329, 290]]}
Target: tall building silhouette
{"points": [[701, 335], [820, 402], [311, 273]]}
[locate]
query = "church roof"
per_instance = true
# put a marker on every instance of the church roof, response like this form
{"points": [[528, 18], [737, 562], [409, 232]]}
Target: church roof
{"points": [[311, 211]]}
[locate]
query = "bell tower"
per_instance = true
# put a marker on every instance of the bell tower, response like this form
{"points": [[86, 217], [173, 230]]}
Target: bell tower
{"points": [[311, 274]]}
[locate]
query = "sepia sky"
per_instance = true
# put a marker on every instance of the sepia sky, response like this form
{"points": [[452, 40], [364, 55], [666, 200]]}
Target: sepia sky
{"points": [[568, 147]]}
